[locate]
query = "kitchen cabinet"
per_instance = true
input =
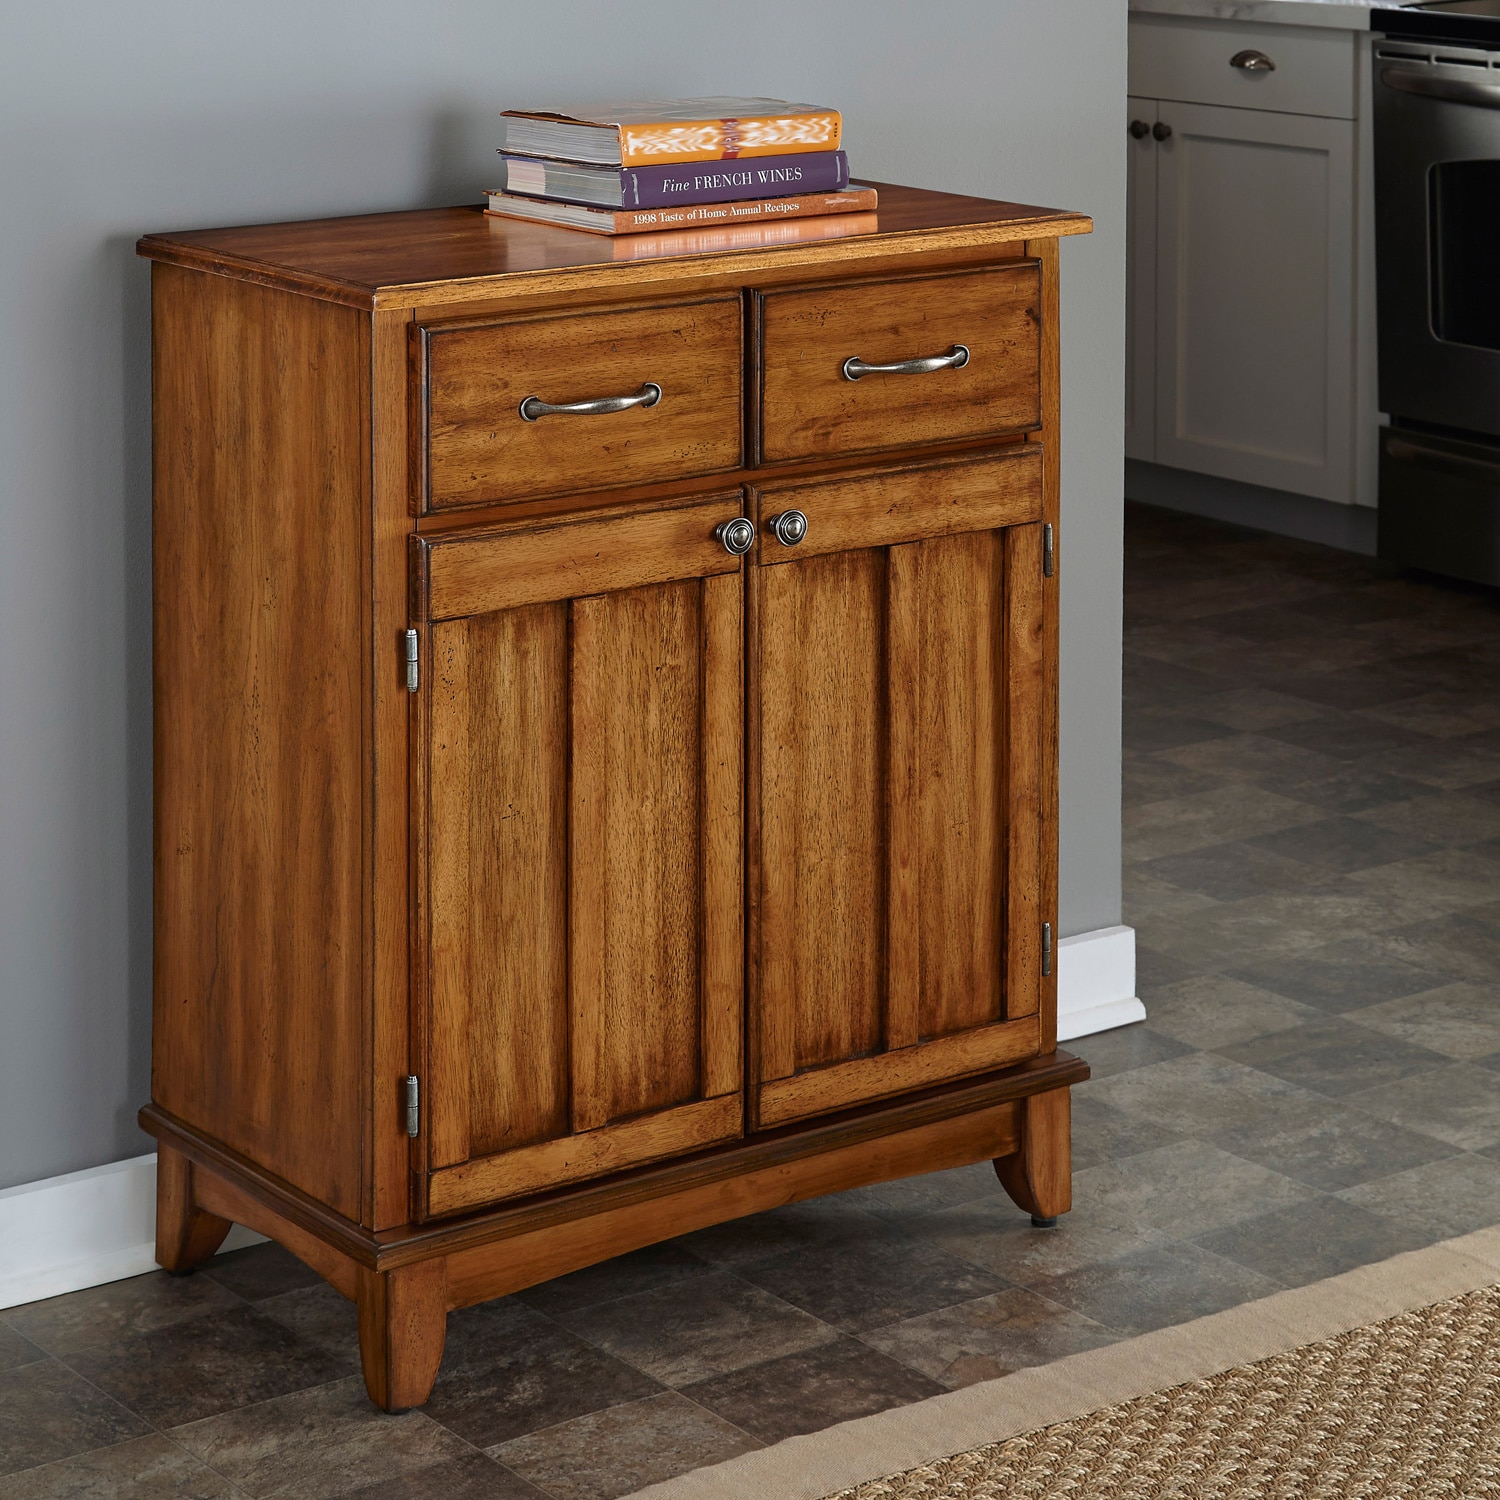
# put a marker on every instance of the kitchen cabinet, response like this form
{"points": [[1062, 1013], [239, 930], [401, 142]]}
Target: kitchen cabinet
{"points": [[1247, 342], [606, 736]]}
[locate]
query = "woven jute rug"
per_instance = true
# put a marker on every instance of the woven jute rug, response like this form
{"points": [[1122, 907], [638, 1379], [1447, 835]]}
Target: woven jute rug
{"points": [[1380, 1383], [1408, 1407]]}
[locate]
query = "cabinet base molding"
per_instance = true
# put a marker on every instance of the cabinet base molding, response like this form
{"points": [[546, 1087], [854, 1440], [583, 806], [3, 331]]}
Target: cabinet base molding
{"points": [[405, 1281]]}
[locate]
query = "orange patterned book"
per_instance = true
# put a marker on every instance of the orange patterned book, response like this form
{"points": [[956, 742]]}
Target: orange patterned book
{"points": [[693, 216], [674, 130]]}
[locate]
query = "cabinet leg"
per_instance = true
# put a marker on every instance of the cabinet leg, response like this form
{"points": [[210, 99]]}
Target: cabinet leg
{"points": [[1039, 1176], [403, 1321], [186, 1235]]}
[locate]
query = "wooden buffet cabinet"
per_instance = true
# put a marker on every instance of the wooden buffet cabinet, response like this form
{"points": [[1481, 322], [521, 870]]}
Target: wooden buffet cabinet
{"points": [[574, 828]]}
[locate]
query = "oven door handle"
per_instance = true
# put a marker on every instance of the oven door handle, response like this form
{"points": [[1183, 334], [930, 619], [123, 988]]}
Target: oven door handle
{"points": [[1435, 86], [1458, 464]]}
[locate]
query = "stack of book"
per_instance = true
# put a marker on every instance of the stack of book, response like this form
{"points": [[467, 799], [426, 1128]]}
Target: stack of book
{"points": [[681, 164]]}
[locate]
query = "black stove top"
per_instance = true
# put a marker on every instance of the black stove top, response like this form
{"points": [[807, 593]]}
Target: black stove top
{"points": [[1476, 22]]}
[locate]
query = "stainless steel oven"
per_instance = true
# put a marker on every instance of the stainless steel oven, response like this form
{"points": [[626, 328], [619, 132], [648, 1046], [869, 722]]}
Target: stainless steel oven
{"points": [[1437, 210]]}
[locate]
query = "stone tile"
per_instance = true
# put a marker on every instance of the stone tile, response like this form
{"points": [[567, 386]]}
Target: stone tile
{"points": [[799, 1226], [1327, 1145], [1147, 730], [1253, 710], [1187, 1094], [989, 1337], [623, 1449], [103, 1314], [1442, 1200], [320, 1318], [1145, 779], [206, 1365], [1157, 1287], [16, 1350], [145, 1468], [812, 1390], [1365, 686], [1448, 878], [623, 1276], [1354, 606], [1102, 1133], [1447, 764], [1307, 1242], [1153, 969], [693, 1329], [1215, 1010], [475, 1476], [507, 1371], [1459, 945], [317, 1443], [882, 1279], [1251, 758], [1334, 1056], [1214, 817], [1145, 896], [1340, 976], [1348, 736], [1442, 714], [1349, 787], [1186, 1189], [908, 1197], [1343, 844], [1459, 1020], [997, 1238], [1459, 1104], [1260, 622], [1123, 1049], [260, 1271], [48, 1412], [1231, 872]]}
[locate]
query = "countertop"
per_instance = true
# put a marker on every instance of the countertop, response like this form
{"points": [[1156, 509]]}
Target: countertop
{"points": [[1341, 15]]}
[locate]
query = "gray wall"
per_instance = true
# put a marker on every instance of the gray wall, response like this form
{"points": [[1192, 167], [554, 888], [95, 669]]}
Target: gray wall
{"points": [[161, 114]]}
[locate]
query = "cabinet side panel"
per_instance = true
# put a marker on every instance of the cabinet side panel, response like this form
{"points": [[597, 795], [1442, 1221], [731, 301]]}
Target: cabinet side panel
{"points": [[822, 707], [260, 408], [636, 699]]}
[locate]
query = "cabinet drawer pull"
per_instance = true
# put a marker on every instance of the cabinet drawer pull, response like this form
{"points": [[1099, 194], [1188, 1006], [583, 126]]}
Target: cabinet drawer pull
{"points": [[534, 407], [789, 527], [855, 368], [1251, 61], [738, 535]]}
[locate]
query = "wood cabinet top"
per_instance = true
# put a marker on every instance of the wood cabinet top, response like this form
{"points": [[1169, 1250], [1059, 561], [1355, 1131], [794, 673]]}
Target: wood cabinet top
{"points": [[429, 257]]}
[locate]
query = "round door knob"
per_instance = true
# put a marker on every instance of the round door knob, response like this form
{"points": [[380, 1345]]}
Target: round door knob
{"points": [[737, 535], [1139, 130], [789, 527], [1161, 130]]}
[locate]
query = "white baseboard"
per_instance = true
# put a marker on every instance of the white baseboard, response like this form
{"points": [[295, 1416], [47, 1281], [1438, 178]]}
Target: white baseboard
{"points": [[86, 1228], [1096, 983], [65, 1233]]}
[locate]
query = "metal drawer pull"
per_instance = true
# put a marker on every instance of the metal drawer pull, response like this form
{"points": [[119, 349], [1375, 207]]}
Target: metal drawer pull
{"points": [[1251, 61], [855, 368], [737, 535], [533, 406], [789, 527]]}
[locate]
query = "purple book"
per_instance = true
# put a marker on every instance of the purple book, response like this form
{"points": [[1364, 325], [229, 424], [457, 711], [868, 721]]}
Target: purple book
{"points": [[685, 184]]}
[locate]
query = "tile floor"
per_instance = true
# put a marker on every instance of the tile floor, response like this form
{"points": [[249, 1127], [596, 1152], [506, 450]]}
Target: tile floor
{"points": [[1312, 837]]}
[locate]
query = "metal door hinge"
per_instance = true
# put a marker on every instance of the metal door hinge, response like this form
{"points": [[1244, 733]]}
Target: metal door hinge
{"points": [[1046, 951], [1049, 557], [413, 1106], [413, 674]]}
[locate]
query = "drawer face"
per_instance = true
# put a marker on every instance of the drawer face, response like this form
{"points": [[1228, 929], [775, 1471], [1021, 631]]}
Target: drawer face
{"points": [[1189, 61], [809, 407], [476, 448]]}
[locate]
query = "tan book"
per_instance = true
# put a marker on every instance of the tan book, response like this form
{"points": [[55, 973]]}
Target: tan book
{"points": [[697, 216]]}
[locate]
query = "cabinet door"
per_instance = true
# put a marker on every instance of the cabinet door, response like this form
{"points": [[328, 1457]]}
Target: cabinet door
{"points": [[1140, 282], [1254, 353], [897, 738], [583, 850]]}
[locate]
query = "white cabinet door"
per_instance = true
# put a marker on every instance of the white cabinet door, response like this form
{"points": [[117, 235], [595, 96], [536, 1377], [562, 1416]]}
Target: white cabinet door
{"points": [[1140, 281], [1254, 290]]}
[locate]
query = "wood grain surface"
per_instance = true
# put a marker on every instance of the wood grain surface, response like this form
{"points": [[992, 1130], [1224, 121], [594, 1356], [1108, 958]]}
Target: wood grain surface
{"points": [[260, 431], [479, 449], [804, 335]]}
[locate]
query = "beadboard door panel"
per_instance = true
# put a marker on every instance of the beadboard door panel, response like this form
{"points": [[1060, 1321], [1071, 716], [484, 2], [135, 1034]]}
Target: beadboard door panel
{"points": [[584, 867]]}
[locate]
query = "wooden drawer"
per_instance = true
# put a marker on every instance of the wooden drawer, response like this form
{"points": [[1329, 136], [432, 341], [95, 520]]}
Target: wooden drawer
{"points": [[1189, 60], [475, 447], [808, 405]]}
